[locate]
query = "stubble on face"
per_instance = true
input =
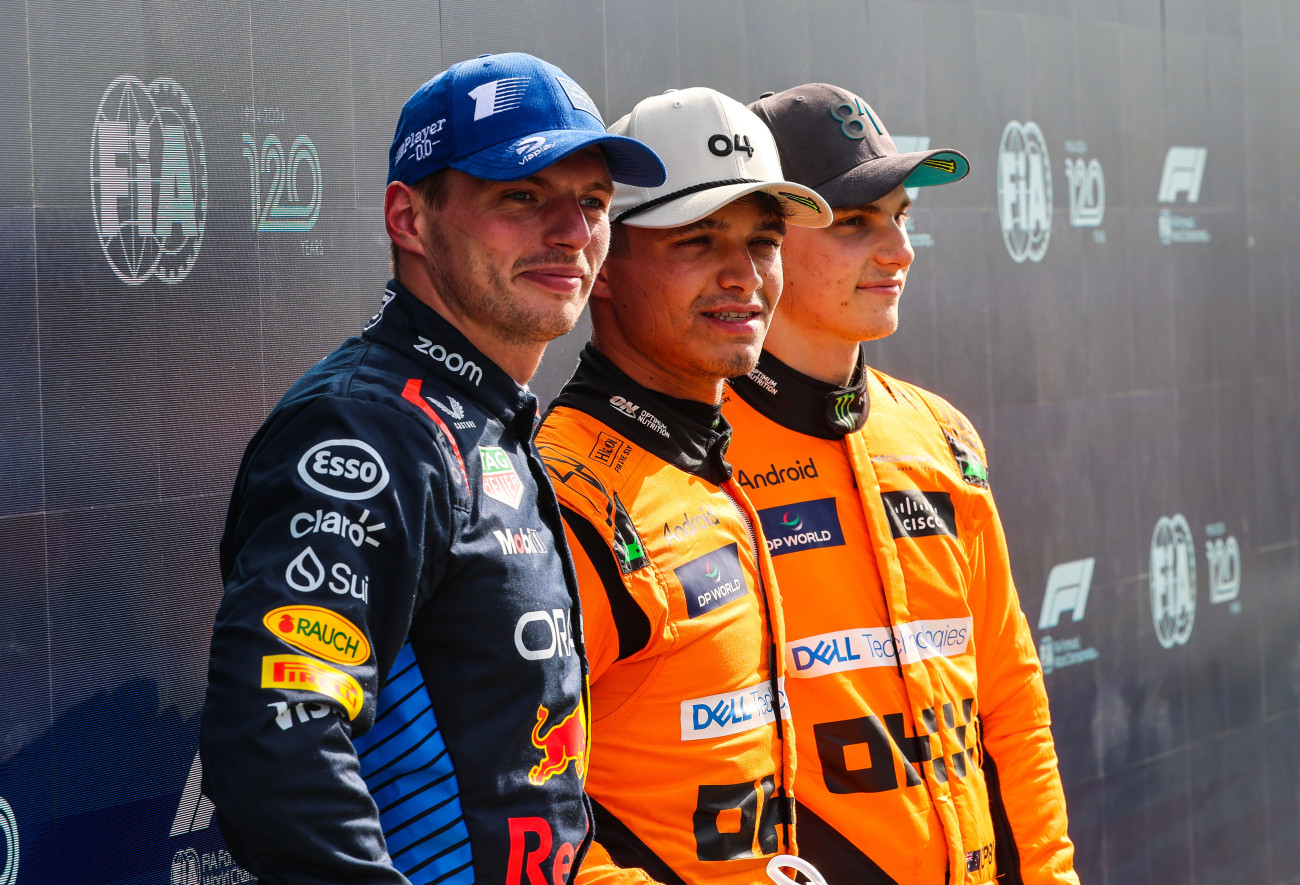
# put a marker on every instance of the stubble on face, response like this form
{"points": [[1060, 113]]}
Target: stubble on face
{"points": [[476, 289]]}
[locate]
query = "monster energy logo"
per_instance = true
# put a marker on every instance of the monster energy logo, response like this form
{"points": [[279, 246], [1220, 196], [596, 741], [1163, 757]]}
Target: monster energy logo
{"points": [[843, 410]]}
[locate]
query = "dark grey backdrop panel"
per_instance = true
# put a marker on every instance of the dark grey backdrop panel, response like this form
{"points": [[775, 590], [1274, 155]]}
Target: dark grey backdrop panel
{"points": [[1131, 360]]}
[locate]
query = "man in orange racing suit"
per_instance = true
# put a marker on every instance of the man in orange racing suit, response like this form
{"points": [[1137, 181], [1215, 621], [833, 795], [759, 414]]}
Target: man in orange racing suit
{"points": [[918, 701], [690, 764]]}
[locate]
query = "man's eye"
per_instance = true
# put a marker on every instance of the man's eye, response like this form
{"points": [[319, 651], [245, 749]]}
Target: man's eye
{"points": [[519, 196], [850, 221], [595, 203], [767, 243]]}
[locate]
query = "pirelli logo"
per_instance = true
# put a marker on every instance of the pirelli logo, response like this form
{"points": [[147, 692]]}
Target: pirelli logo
{"points": [[298, 673], [917, 514]]}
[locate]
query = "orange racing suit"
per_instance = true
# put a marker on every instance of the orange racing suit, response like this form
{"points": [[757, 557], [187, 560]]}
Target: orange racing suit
{"points": [[690, 766], [917, 695]]}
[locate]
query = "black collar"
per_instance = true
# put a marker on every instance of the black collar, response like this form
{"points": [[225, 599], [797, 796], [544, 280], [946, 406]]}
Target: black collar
{"points": [[794, 400], [421, 335], [690, 435]]}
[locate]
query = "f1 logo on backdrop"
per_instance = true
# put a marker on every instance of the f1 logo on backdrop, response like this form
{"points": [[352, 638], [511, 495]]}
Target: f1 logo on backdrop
{"points": [[1181, 177], [1184, 169], [1067, 590], [148, 180], [1024, 191]]}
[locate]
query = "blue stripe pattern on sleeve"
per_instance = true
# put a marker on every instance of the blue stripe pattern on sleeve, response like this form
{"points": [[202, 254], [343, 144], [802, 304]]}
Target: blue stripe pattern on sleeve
{"points": [[406, 766]]}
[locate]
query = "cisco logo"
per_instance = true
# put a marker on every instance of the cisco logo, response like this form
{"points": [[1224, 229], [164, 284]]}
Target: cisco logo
{"points": [[148, 180]]}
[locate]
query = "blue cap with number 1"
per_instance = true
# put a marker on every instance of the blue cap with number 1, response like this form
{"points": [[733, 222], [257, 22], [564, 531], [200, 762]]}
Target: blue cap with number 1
{"points": [[505, 117]]}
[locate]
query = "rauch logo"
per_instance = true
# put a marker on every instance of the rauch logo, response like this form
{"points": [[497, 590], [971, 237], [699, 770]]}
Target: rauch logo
{"points": [[320, 632]]}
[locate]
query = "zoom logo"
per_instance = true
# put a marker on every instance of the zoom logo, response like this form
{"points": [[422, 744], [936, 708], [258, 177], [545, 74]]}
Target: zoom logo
{"points": [[148, 180]]}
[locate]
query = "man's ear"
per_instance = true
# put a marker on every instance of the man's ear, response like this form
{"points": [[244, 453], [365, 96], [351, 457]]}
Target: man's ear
{"points": [[403, 217], [600, 288]]}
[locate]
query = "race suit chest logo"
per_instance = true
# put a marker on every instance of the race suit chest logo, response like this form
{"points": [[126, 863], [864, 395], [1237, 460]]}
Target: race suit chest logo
{"points": [[732, 712], [500, 482], [344, 468], [806, 525], [320, 632], [451, 361], [298, 673], [917, 514], [774, 475], [712, 580], [866, 647], [306, 574]]}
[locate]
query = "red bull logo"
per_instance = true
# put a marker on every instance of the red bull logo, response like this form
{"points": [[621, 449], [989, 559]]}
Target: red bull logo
{"points": [[565, 742]]}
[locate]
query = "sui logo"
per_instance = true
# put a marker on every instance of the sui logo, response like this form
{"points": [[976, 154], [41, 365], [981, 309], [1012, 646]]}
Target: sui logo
{"points": [[148, 180], [294, 184], [1024, 191]]}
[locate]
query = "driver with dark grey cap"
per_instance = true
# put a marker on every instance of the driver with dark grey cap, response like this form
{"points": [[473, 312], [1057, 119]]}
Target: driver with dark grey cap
{"points": [[925, 755]]}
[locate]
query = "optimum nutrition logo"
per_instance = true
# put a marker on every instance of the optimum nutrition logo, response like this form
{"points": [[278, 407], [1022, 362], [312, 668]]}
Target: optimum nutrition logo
{"points": [[148, 180], [1024, 191]]}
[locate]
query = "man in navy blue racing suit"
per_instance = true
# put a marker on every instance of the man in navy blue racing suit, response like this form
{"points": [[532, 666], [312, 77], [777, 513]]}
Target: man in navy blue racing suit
{"points": [[394, 690]]}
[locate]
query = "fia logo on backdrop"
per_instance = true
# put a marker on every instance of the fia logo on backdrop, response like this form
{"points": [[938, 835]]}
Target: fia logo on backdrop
{"points": [[1024, 191], [1173, 576], [148, 180]]}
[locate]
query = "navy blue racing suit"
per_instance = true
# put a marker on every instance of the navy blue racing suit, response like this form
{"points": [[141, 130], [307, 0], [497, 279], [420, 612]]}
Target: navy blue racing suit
{"points": [[394, 693]]}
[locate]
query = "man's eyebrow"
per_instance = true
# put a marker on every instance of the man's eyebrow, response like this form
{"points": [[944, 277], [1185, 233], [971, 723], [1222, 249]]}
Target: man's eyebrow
{"points": [[774, 224], [706, 223]]}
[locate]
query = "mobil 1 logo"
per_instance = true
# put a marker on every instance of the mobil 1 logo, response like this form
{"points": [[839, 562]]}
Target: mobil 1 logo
{"points": [[712, 580], [806, 525]]}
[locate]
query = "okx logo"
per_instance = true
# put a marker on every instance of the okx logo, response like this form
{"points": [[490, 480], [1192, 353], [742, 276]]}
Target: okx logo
{"points": [[713, 580], [148, 180], [806, 525]]}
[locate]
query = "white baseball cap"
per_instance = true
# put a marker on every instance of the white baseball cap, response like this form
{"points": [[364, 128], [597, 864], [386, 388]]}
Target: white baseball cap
{"points": [[716, 150]]}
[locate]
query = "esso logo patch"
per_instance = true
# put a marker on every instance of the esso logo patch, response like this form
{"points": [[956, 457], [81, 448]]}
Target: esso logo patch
{"points": [[344, 468]]}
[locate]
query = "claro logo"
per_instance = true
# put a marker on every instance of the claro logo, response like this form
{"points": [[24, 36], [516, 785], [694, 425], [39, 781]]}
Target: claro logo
{"points": [[344, 468]]}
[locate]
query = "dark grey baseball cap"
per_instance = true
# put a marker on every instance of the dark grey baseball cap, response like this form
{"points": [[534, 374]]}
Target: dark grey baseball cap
{"points": [[833, 142]]}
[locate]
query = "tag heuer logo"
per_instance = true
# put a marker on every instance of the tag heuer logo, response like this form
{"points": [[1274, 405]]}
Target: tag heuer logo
{"points": [[500, 481]]}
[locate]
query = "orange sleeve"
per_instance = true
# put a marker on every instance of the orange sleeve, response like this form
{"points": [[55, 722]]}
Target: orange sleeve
{"points": [[598, 868], [1014, 717]]}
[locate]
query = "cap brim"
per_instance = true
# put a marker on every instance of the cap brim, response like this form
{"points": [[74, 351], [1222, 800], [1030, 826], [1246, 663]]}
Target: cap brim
{"points": [[869, 181], [803, 206], [630, 161]]}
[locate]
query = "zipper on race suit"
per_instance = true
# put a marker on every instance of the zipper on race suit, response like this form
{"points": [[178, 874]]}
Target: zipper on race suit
{"points": [[787, 810]]}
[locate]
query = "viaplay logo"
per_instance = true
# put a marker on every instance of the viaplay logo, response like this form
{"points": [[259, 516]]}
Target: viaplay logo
{"points": [[806, 525], [148, 180]]}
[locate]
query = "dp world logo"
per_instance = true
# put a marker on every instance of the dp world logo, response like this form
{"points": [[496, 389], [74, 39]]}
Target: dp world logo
{"points": [[148, 180], [1173, 580], [1024, 191]]}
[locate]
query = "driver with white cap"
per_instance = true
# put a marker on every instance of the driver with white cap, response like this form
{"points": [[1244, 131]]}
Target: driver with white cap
{"points": [[691, 756]]}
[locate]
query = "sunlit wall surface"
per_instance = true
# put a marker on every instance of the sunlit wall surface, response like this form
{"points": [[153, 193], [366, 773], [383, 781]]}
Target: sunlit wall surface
{"points": [[190, 200]]}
